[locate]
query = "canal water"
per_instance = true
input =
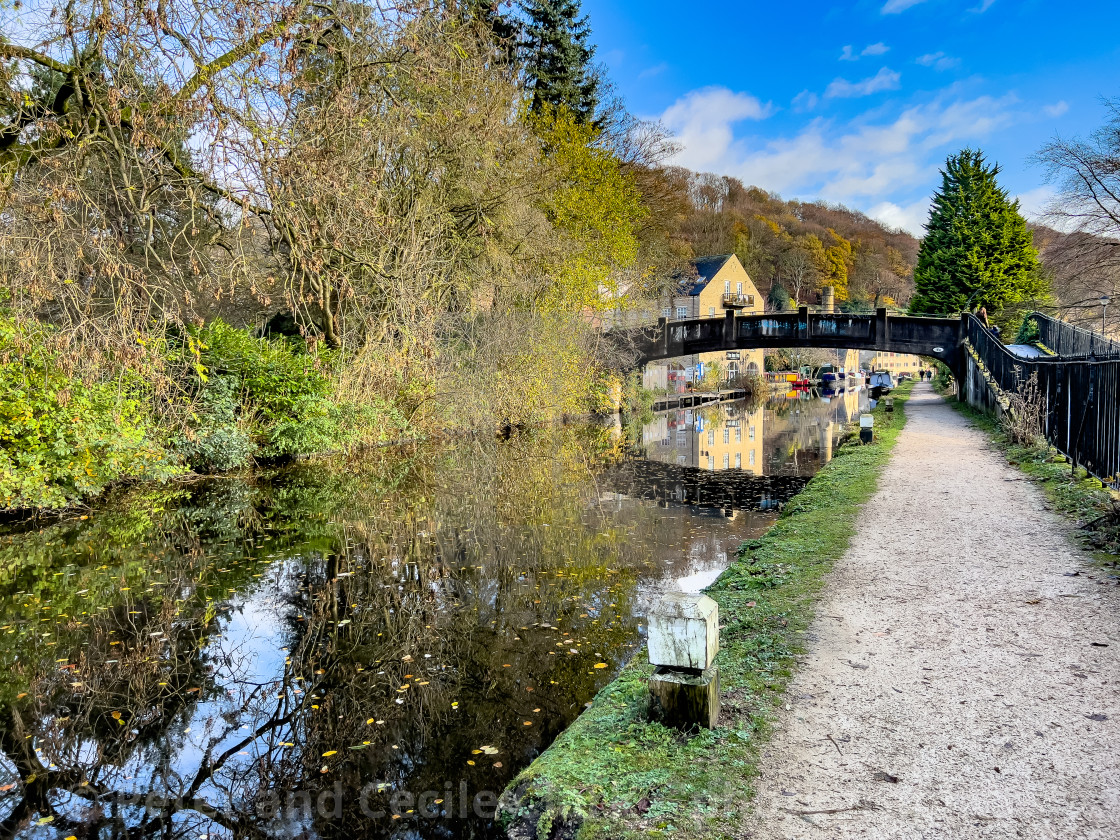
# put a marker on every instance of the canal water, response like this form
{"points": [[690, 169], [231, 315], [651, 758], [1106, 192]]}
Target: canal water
{"points": [[367, 648]]}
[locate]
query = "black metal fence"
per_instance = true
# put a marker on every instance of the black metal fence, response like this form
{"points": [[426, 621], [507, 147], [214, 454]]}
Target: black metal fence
{"points": [[1072, 342], [1081, 394]]}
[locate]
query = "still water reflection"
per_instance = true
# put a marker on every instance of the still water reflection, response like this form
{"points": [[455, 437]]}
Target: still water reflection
{"points": [[369, 648]]}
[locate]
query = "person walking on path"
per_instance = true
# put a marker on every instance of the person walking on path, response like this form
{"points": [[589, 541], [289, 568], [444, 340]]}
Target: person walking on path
{"points": [[963, 683]]}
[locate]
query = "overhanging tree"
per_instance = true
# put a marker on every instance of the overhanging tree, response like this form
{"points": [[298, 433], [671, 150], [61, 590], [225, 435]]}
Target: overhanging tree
{"points": [[557, 53], [977, 250]]}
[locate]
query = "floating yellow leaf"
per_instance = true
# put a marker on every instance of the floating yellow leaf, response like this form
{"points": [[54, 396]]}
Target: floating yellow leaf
{"points": [[329, 752], [471, 763], [600, 664], [369, 721]]}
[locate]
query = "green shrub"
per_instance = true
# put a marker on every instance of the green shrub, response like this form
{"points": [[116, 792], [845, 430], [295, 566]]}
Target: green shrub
{"points": [[275, 375], [62, 440], [216, 441], [1028, 332], [263, 396]]}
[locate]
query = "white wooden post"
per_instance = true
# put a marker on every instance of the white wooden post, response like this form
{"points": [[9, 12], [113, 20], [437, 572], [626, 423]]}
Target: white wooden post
{"points": [[683, 640]]}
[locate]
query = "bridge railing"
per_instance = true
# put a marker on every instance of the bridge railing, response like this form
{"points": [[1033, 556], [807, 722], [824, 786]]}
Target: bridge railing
{"points": [[1081, 414], [844, 326], [1069, 341], [771, 327]]}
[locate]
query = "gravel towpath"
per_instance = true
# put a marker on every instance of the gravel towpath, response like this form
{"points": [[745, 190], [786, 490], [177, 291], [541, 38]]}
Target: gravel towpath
{"points": [[962, 678]]}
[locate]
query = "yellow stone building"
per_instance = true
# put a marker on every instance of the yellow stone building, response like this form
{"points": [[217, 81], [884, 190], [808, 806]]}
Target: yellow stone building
{"points": [[896, 363], [714, 438], [720, 283]]}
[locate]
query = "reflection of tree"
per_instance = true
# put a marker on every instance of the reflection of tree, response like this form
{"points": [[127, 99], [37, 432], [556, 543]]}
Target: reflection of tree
{"points": [[403, 594]]}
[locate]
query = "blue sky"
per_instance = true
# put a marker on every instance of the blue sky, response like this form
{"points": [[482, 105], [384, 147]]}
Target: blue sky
{"points": [[860, 101]]}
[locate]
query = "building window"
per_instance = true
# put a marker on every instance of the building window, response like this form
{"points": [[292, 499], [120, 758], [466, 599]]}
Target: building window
{"points": [[711, 462], [726, 435], [727, 287], [682, 313], [726, 460], [750, 457], [738, 460], [681, 435], [711, 437], [711, 311], [733, 355], [738, 435], [750, 432], [666, 313], [739, 289]]}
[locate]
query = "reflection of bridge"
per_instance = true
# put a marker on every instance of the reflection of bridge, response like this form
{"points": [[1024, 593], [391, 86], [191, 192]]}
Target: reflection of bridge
{"points": [[726, 489], [939, 338]]}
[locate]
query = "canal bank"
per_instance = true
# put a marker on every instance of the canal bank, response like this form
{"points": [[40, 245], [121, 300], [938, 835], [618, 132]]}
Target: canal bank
{"points": [[614, 774], [375, 645]]}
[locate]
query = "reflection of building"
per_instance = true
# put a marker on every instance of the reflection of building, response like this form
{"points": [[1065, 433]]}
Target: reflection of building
{"points": [[896, 363], [719, 285], [722, 437]]}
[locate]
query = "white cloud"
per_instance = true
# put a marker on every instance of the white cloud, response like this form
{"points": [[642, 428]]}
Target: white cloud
{"points": [[938, 61], [885, 79], [614, 58], [1033, 204], [1056, 110], [702, 122], [893, 7], [849, 54], [805, 101], [865, 162], [911, 218]]}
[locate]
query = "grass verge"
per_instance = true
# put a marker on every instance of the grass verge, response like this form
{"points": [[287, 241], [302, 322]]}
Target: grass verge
{"points": [[614, 774], [1080, 498]]}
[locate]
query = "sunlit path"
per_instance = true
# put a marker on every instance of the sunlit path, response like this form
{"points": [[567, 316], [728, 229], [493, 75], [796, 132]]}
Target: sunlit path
{"points": [[962, 678]]}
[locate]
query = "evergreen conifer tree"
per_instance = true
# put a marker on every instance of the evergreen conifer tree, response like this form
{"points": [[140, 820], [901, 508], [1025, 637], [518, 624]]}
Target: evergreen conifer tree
{"points": [[977, 250], [489, 13], [557, 54]]}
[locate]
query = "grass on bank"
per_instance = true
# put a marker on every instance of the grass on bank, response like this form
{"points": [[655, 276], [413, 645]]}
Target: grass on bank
{"points": [[1079, 497], [613, 774]]}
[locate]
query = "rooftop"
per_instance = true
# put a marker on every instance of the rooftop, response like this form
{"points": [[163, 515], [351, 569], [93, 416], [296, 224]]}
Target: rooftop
{"points": [[706, 269]]}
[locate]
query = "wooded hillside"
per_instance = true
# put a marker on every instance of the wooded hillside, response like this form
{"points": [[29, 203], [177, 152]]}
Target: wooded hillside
{"points": [[792, 249]]}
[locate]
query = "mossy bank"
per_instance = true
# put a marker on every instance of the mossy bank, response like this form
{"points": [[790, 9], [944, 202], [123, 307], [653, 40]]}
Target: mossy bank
{"points": [[615, 774]]}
